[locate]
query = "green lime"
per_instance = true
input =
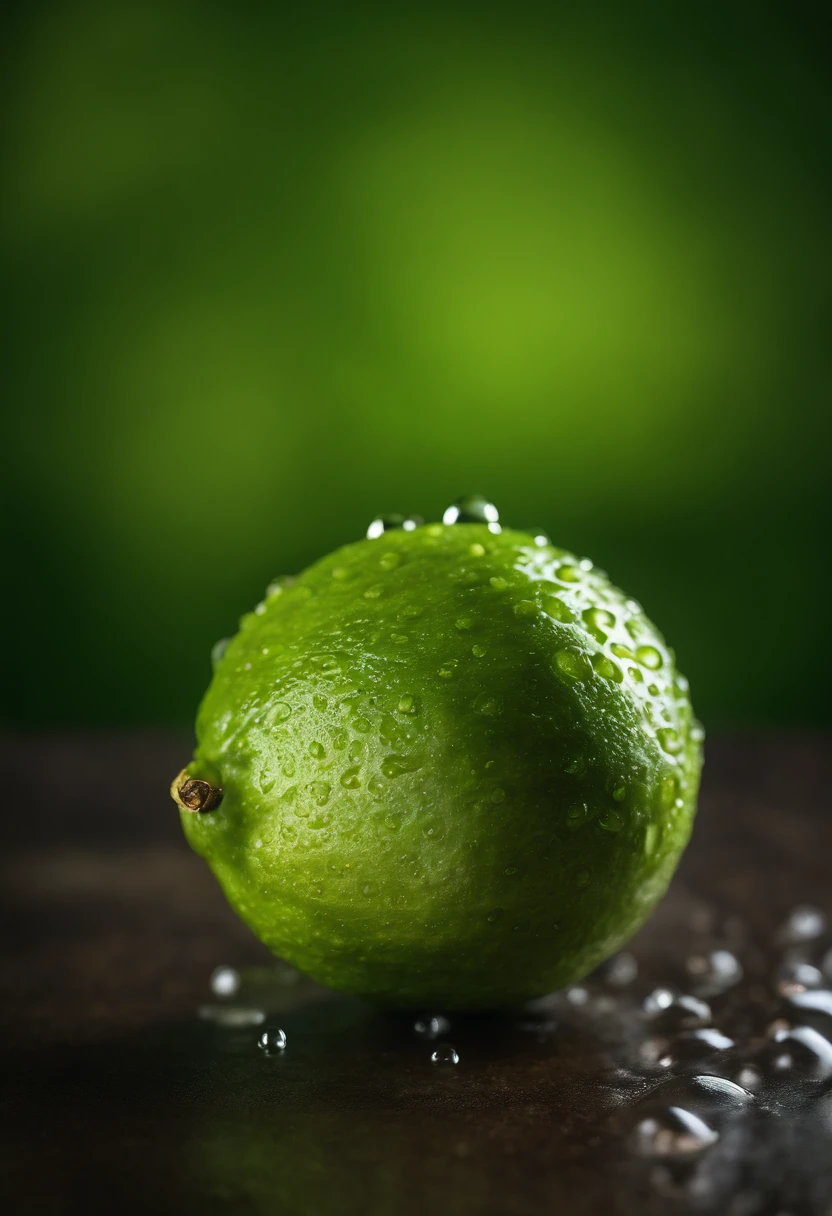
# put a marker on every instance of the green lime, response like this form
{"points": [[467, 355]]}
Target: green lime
{"points": [[447, 765]]}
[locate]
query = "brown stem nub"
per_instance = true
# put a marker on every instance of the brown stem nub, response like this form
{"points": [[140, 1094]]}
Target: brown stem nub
{"points": [[194, 794]]}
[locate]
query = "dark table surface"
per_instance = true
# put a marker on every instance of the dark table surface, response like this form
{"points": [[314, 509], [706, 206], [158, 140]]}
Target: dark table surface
{"points": [[118, 1097]]}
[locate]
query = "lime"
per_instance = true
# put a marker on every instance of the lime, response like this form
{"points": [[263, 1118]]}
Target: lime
{"points": [[448, 765]]}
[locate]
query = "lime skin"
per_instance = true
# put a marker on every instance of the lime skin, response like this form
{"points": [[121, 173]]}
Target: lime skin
{"points": [[459, 768]]}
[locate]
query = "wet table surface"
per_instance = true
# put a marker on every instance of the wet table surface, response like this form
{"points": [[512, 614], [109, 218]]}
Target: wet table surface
{"points": [[119, 1096]]}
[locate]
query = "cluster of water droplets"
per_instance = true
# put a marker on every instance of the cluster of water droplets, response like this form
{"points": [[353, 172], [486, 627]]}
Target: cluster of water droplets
{"points": [[740, 1037]]}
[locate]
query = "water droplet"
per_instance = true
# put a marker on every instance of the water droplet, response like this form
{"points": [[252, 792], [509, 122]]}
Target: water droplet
{"points": [[668, 791], [583, 878], [499, 584], [541, 539], [488, 706], [433, 829], [557, 610], [444, 1054], [577, 815], [448, 669], [648, 656], [796, 976], [390, 523], [272, 1042], [225, 981], [525, 608], [464, 622], [472, 509], [598, 622], [231, 1017], [607, 669], [576, 766], [611, 821], [619, 790], [802, 924], [397, 766], [577, 996], [218, 651], [688, 1047], [622, 652], [320, 702], [479, 651], [651, 839], [674, 1132], [320, 791], [389, 561], [494, 915], [694, 1108], [289, 768], [805, 1049], [568, 574], [749, 1077], [281, 711], [361, 725], [408, 704], [476, 550], [350, 779], [510, 870], [713, 972], [432, 1027], [266, 780], [317, 750], [498, 795], [376, 786], [669, 740], [373, 593], [676, 1011], [618, 971], [572, 664], [814, 1007]]}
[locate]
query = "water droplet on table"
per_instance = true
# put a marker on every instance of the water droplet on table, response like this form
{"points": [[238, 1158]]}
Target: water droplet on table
{"points": [[713, 972], [803, 924], [749, 1077], [794, 977], [272, 1041], [671, 1010], [690, 1047], [672, 1132], [577, 996], [446, 1053], [432, 1027], [802, 1050], [231, 1017], [813, 1007], [618, 971], [225, 981], [695, 1108]]}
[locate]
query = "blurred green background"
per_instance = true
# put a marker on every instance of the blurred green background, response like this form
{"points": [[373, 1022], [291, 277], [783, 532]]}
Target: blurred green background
{"points": [[268, 273]]}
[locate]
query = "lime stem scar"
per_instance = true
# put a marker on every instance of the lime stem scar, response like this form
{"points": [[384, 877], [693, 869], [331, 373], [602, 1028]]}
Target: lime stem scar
{"points": [[194, 794]]}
